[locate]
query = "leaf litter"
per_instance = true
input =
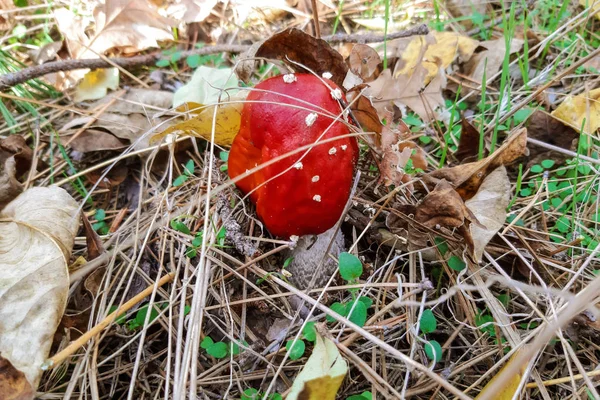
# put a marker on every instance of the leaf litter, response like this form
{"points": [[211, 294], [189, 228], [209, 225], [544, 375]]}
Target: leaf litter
{"points": [[432, 197]]}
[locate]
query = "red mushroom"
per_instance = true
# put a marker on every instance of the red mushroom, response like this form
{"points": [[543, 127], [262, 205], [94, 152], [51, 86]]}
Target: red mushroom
{"points": [[284, 113]]}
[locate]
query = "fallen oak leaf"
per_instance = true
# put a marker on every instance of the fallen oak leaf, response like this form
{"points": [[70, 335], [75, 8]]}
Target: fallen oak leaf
{"points": [[38, 230], [467, 178], [545, 128], [365, 114], [13, 383], [364, 62], [468, 144]]}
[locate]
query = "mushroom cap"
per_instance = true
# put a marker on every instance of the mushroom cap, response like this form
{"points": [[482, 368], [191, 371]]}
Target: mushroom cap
{"points": [[306, 192]]}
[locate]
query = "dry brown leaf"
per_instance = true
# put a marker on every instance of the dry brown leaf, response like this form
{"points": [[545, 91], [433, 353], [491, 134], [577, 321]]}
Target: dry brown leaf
{"points": [[38, 229], [6, 5], [574, 110], [543, 127], [468, 177], [489, 207], [13, 383], [300, 47], [366, 115], [127, 25], [190, 11], [466, 8], [92, 239], [408, 91], [364, 62], [15, 160], [395, 152], [490, 60], [468, 145]]}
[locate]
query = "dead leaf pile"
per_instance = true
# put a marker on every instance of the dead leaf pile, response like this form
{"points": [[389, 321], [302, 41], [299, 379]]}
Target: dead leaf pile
{"points": [[470, 199], [128, 26], [38, 229]]}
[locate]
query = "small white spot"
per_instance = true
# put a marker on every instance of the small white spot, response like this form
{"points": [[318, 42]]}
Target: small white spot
{"points": [[298, 165], [289, 78], [336, 94], [310, 119], [317, 198], [327, 75], [344, 147], [332, 151], [315, 178]]}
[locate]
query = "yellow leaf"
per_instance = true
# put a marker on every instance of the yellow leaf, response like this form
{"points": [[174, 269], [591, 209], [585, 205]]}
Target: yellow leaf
{"points": [[323, 374], [574, 110], [96, 83], [595, 10], [509, 388], [436, 50], [200, 125]]}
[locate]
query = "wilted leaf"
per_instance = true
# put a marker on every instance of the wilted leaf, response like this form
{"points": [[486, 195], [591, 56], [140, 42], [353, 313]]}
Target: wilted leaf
{"points": [[15, 160], [490, 60], [96, 83], [227, 125], [207, 86], [13, 383], [300, 47], [38, 229], [467, 178], [92, 240], [489, 207], [466, 8], [322, 375], [364, 62], [574, 110], [509, 388]]}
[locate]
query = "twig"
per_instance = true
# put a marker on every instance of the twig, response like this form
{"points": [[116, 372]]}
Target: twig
{"points": [[75, 345], [316, 19], [9, 80]]}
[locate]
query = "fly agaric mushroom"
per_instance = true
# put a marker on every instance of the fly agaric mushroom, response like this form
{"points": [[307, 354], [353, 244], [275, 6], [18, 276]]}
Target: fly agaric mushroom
{"points": [[306, 192]]}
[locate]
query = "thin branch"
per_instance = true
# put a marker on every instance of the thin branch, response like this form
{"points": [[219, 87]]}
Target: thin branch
{"points": [[9, 80]]}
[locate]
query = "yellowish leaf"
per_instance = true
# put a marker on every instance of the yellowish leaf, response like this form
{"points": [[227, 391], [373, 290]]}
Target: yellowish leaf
{"points": [[200, 125], [595, 9], [436, 50], [509, 388], [574, 110], [96, 83], [323, 374]]}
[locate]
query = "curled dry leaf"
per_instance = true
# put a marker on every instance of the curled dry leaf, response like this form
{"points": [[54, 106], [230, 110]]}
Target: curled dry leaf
{"points": [[38, 229], [15, 160], [365, 114], [575, 109], [467, 178], [489, 207], [315, 54], [364, 62], [323, 373], [468, 145]]}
